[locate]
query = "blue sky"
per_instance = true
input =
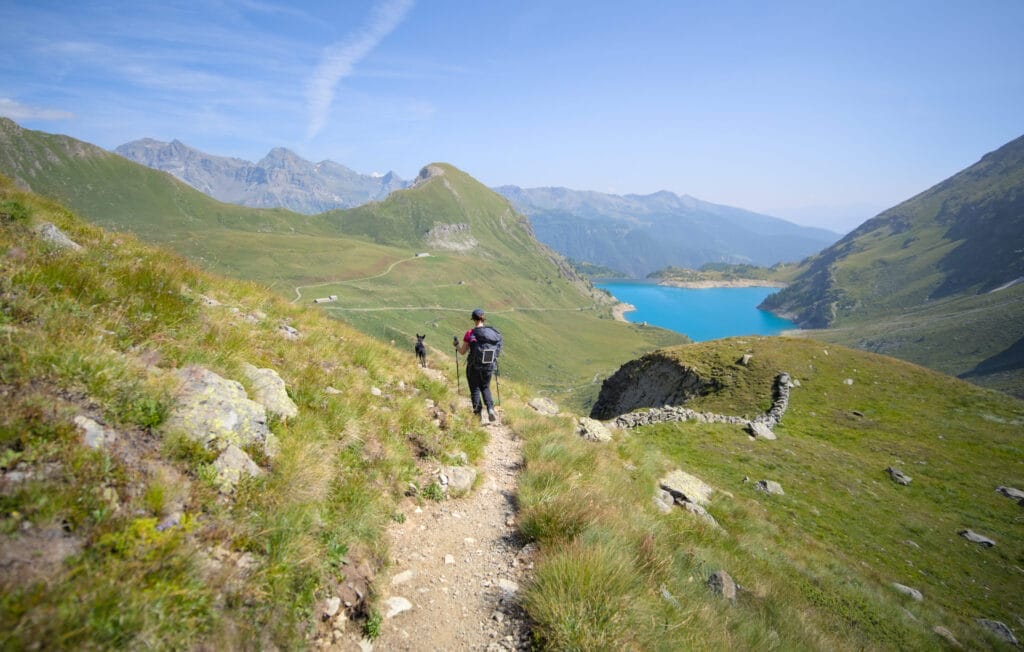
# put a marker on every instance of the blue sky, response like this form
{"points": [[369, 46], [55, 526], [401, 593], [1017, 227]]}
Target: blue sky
{"points": [[819, 112]]}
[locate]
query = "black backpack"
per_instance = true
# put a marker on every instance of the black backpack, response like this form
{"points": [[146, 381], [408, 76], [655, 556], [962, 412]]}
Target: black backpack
{"points": [[484, 352]]}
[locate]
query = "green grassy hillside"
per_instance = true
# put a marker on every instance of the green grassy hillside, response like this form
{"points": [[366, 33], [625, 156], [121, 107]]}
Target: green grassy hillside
{"points": [[559, 331], [817, 564], [131, 545], [931, 280]]}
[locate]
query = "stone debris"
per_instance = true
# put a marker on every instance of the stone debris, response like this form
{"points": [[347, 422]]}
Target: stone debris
{"points": [[898, 476], [93, 434], [908, 591], [288, 332], [999, 629], [769, 487], [544, 405], [592, 430], [974, 537], [52, 234], [457, 480], [395, 605], [721, 583], [269, 390]]}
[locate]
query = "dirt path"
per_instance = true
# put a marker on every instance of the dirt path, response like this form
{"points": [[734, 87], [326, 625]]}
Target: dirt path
{"points": [[457, 565]]}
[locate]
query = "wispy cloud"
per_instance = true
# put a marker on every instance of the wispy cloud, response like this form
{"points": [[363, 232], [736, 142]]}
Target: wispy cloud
{"points": [[18, 111], [338, 60]]}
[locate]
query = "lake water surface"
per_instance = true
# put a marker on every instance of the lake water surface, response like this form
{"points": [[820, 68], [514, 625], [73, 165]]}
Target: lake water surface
{"points": [[701, 314]]}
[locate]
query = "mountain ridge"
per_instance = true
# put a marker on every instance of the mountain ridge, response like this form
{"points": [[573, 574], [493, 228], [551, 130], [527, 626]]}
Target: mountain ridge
{"points": [[639, 234], [281, 178]]}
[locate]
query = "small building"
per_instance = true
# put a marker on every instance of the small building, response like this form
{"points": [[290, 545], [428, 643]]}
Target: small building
{"points": [[333, 297]]}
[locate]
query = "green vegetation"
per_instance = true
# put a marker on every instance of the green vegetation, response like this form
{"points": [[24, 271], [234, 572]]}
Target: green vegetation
{"points": [[817, 564], [932, 279], [131, 545], [724, 273]]}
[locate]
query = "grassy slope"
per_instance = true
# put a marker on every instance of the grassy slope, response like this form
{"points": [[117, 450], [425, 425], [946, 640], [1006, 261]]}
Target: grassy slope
{"points": [[95, 333], [916, 280], [515, 278], [817, 564]]}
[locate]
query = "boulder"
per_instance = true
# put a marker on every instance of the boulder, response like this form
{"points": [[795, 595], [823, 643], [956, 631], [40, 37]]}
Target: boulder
{"points": [[948, 636], [999, 629], [394, 606], [232, 465], [745, 359], [906, 590], [760, 430], [974, 537], [770, 487], [543, 405], [722, 584], [458, 479], [268, 389], [1010, 492], [898, 476], [592, 430], [686, 487], [217, 412], [93, 434], [663, 501], [52, 234], [700, 512]]}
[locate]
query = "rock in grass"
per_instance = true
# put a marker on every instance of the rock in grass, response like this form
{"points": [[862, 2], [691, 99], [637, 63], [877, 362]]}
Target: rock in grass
{"points": [[721, 583], [948, 635], [760, 430], [999, 629], [974, 537], [898, 476], [686, 487], [233, 465], [769, 487], [544, 405], [93, 434], [592, 430], [906, 590], [56, 237], [269, 390], [1010, 492]]}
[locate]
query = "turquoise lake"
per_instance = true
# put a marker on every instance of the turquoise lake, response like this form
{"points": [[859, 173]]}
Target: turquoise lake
{"points": [[700, 314]]}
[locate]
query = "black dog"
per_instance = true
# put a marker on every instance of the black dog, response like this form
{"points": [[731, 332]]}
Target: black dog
{"points": [[421, 351]]}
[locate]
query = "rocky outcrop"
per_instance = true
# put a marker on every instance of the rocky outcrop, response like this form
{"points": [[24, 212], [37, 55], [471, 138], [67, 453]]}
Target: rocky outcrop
{"points": [[592, 430], [451, 237], [979, 539], [898, 476], [653, 381], [56, 237], [269, 390], [543, 405]]}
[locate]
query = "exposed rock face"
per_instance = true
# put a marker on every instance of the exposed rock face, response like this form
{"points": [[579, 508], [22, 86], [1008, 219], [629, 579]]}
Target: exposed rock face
{"points": [[217, 412], [655, 380], [451, 237], [269, 390]]}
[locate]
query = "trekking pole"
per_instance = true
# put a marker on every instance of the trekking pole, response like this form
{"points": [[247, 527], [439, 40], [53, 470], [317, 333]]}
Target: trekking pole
{"points": [[497, 383], [458, 383]]}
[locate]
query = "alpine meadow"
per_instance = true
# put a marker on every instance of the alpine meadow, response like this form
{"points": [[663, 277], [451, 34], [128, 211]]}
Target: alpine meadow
{"points": [[215, 433]]}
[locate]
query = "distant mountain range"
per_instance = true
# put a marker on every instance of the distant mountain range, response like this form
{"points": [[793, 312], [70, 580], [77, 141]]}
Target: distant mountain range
{"points": [[281, 179], [639, 234], [631, 234], [937, 279]]}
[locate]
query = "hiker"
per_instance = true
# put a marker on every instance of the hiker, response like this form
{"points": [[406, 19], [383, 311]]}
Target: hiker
{"points": [[483, 344]]}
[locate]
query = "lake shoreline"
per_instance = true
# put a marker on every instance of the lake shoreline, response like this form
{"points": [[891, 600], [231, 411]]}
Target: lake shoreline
{"points": [[620, 309]]}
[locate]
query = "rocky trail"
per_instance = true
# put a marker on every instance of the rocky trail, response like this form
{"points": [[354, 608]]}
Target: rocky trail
{"points": [[457, 564]]}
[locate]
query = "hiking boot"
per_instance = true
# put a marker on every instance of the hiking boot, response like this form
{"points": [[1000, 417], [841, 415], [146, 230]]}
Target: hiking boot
{"points": [[491, 415]]}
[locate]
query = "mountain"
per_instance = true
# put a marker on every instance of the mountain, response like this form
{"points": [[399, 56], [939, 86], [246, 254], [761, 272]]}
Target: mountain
{"points": [[481, 253], [639, 234], [936, 279], [281, 179]]}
